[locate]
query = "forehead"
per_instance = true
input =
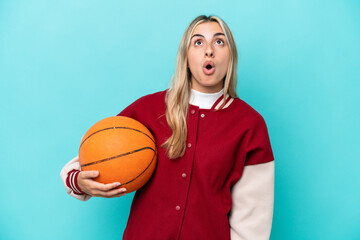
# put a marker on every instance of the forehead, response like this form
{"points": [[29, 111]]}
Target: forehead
{"points": [[207, 28]]}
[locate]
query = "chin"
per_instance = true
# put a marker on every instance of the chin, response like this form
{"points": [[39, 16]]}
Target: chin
{"points": [[213, 84]]}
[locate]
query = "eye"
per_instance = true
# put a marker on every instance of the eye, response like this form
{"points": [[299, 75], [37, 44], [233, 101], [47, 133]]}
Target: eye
{"points": [[219, 42], [198, 43]]}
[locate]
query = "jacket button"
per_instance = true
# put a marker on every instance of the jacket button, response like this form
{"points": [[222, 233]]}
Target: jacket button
{"points": [[193, 111], [183, 175], [177, 208], [202, 115], [189, 145]]}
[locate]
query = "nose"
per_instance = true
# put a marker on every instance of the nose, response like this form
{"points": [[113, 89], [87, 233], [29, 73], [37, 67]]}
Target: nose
{"points": [[209, 52]]}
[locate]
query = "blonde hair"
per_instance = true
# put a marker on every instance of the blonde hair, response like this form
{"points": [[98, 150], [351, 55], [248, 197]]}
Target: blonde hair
{"points": [[178, 96]]}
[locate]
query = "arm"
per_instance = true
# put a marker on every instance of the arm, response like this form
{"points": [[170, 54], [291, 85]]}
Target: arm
{"points": [[80, 184], [253, 199]]}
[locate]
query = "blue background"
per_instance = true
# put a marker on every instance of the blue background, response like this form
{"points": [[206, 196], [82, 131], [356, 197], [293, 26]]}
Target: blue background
{"points": [[64, 65]]}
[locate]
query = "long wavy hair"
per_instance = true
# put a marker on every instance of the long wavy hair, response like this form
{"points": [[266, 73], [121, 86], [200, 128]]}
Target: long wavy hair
{"points": [[178, 95]]}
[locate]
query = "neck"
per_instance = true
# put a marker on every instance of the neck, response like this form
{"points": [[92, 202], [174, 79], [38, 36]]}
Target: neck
{"points": [[204, 100]]}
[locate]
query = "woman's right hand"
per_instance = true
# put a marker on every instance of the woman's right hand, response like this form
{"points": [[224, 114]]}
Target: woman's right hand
{"points": [[93, 188]]}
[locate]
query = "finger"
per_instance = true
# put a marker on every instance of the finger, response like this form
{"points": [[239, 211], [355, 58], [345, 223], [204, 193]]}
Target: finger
{"points": [[89, 174], [120, 195], [110, 194], [104, 187], [109, 186], [116, 193]]}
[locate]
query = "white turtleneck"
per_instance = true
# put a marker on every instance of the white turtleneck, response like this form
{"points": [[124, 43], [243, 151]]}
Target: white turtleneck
{"points": [[204, 100]]}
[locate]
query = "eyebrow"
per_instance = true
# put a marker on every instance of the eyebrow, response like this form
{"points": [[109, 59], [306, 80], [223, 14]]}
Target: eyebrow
{"points": [[199, 35]]}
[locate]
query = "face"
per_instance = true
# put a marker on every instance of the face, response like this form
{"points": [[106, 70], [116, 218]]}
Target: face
{"points": [[208, 57]]}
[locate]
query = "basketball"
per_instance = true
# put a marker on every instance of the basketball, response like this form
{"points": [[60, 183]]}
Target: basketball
{"points": [[121, 149]]}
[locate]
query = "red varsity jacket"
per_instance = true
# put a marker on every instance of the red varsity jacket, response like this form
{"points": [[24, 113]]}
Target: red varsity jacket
{"points": [[190, 197]]}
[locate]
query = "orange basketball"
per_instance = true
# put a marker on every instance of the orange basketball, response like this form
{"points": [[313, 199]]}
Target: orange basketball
{"points": [[121, 149]]}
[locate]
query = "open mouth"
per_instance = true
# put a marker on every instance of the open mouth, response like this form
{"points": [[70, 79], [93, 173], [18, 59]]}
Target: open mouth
{"points": [[208, 67]]}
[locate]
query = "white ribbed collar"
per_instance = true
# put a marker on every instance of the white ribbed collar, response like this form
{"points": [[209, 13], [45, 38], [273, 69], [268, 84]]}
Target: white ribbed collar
{"points": [[204, 100]]}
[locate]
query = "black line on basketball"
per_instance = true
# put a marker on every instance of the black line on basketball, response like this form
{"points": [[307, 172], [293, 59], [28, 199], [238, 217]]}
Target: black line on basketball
{"points": [[109, 128], [141, 172], [118, 156]]}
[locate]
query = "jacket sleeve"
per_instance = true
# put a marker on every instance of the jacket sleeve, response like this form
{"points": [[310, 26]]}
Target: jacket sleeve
{"points": [[253, 200], [68, 176], [252, 195]]}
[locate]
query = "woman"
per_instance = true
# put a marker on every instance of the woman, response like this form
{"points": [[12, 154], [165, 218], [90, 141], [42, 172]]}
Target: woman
{"points": [[215, 172]]}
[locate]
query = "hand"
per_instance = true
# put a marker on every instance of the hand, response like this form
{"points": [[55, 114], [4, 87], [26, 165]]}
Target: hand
{"points": [[93, 188]]}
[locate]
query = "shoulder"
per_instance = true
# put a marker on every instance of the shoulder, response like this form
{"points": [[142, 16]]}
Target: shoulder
{"points": [[156, 97], [247, 113], [150, 102], [245, 109]]}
